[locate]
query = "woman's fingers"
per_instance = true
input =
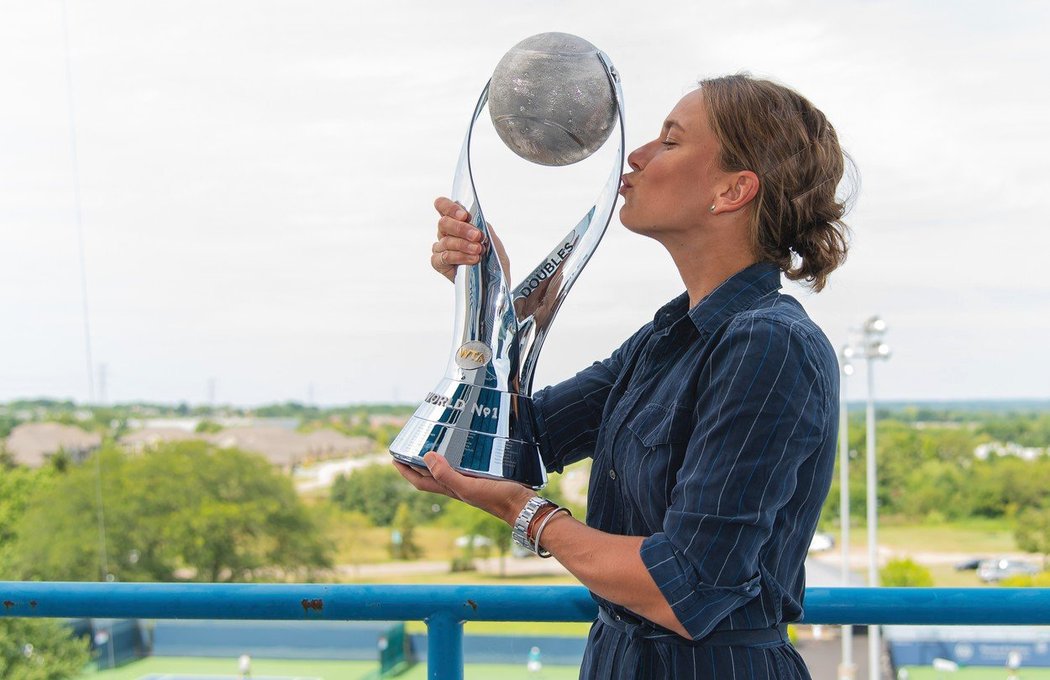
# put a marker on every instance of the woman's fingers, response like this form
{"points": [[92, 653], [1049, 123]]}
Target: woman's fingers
{"points": [[459, 242], [446, 206], [456, 244], [421, 479], [450, 226]]}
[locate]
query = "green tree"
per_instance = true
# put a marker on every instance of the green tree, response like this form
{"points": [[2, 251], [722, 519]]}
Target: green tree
{"points": [[7, 423], [1026, 429], [471, 522], [1032, 532], [377, 490], [17, 485], [497, 531], [1004, 486], [40, 649], [221, 514], [403, 544], [905, 573], [207, 427]]}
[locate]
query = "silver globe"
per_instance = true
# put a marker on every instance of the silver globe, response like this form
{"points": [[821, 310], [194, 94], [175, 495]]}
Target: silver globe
{"points": [[551, 100]]}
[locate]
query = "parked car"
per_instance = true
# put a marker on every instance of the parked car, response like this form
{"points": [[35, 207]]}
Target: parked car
{"points": [[478, 541], [970, 565], [821, 542], [992, 571]]}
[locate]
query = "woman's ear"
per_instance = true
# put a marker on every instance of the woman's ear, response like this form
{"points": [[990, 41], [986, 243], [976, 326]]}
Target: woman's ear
{"points": [[741, 191]]}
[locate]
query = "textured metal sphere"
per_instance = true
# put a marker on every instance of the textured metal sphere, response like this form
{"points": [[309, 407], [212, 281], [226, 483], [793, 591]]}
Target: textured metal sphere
{"points": [[551, 100]]}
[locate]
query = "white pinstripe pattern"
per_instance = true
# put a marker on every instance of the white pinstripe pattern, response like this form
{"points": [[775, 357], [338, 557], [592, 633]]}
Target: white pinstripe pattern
{"points": [[720, 426]]}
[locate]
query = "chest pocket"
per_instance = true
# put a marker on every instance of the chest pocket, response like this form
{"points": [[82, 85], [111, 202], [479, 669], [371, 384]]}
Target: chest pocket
{"points": [[659, 436], [656, 425]]}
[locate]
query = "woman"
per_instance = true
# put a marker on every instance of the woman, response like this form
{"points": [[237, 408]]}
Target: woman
{"points": [[712, 429]]}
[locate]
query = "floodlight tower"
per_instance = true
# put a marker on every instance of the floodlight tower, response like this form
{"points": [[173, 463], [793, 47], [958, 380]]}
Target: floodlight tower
{"points": [[872, 349], [867, 344], [847, 670]]}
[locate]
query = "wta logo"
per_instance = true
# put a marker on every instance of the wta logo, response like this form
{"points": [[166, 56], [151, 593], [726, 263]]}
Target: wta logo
{"points": [[473, 354]]}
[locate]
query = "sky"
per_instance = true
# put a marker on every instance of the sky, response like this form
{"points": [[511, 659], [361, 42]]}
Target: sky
{"points": [[256, 181]]}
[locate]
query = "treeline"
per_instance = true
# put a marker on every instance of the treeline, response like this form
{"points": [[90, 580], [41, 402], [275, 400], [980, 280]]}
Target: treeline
{"points": [[927, 471], [181, 511], [112, 420]]}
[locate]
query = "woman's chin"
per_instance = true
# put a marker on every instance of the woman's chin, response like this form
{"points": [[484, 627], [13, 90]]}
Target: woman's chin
{"points": [[627, 219], [632, 223]]}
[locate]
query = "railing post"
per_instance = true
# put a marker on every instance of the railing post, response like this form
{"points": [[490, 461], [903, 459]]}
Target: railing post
{"points": [[444, 647]]}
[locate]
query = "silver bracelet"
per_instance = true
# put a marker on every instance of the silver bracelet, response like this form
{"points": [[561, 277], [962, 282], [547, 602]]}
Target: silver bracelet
{"points": [[543, 524]]}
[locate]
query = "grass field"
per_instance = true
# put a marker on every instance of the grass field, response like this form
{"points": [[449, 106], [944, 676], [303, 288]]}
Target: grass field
{"points": [[325, 670], [515, 628], [979, 536], [976, 673], [971, 538], [356, 545]]}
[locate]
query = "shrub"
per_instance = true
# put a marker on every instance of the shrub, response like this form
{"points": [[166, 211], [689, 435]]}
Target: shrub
{"points": [[905, 573]]}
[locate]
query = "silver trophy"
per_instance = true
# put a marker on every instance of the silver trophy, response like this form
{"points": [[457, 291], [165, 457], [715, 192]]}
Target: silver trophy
{"points": [[554, 100]]}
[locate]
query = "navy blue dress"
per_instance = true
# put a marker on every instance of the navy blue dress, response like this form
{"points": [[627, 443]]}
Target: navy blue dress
{"points": [[712, 432]]}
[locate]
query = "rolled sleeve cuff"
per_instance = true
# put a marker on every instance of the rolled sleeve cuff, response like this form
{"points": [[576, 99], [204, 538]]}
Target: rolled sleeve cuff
{"points": [[698, 606]]}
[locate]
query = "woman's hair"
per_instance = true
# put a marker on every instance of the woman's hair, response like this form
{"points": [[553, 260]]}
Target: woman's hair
{"points": [[785, 140]]}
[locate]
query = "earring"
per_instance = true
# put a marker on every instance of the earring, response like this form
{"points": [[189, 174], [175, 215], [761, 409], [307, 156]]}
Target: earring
{"points": [[711, 209]]}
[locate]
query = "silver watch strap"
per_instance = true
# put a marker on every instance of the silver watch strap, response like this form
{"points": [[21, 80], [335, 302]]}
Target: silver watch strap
{"points": [[520, 533]]}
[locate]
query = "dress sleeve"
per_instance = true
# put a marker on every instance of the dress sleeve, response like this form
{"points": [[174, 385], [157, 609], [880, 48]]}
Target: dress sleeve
{"points": [[569, 414], [762, 413]]}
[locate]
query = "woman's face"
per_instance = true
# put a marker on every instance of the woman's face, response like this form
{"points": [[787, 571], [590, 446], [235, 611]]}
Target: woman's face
{"points": [[676, 176]]}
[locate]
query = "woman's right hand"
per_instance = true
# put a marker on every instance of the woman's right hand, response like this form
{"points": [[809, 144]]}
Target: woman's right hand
{"points": [[459, 241]]}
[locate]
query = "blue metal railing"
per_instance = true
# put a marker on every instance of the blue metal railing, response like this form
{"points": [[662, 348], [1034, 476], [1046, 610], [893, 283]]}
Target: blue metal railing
{"points": [[446, 608]]}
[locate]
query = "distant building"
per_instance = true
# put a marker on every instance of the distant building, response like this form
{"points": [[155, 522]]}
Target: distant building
{"points": [[332, 444], [287, 449], [984, 451], [377, 419], [32, 444], [283, 447], [148, 437]]}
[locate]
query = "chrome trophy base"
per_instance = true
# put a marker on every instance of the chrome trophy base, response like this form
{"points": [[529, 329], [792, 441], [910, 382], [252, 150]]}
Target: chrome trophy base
{"points": [[464, 423]]}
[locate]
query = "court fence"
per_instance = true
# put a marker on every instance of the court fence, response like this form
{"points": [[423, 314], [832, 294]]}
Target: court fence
{"points": [[445, 609]]}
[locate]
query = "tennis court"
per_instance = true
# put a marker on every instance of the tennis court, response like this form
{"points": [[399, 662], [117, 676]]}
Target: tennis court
{"points": [[203, 668], [179, 676], [976, 673]]}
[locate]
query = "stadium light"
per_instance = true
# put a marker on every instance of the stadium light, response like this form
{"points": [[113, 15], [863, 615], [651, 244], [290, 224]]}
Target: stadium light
{"points": [[868, 344], [847, 670]]}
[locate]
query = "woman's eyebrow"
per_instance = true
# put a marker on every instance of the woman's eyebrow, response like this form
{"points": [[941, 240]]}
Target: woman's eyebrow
{"points": [[671, 123]]}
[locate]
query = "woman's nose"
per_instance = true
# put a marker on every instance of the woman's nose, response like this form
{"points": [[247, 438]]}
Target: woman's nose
{"points": [[638, 158]]}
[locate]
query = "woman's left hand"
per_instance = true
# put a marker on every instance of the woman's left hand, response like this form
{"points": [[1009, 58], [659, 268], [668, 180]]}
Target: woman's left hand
{"points": [[504, 499]]}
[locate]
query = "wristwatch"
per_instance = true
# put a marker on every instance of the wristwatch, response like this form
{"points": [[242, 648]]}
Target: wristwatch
{"points": [[520, 534]]}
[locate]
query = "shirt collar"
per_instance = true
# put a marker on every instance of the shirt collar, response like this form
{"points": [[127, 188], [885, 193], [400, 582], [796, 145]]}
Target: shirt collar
{"points": [[735, 294]]}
